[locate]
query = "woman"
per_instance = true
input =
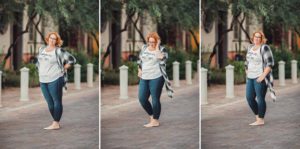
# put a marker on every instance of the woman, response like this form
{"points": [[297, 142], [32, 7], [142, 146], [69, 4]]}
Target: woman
{"points": [[52, 63], [152, 73], [259, 63]]}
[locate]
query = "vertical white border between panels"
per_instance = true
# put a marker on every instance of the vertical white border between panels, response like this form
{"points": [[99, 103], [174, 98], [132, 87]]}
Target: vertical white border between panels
{"points": [[199, 73], [99, 75]]}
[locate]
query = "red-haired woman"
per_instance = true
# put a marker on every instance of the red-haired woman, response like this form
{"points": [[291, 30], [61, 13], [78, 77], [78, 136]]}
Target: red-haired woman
{"points": [[52, 63], [259, 63], [152, 73]]}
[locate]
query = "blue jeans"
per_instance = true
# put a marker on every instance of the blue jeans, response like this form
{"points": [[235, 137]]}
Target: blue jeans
{"points": [[53, 94], [153, 88], [256, 90]]}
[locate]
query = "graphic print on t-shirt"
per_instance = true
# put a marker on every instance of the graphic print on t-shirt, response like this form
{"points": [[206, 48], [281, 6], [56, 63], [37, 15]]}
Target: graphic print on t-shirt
{"points": [[49, 69], [255, 66], [150, 65]]}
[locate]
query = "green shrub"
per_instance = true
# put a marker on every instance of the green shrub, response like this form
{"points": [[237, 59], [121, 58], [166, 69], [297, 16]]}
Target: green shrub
{"points": [[82, 59], [11, 78], [239, 72], [282, 53], [33, 74], [132, 72], [180, 56], [95, 62], [112, 76], [217, 76]]}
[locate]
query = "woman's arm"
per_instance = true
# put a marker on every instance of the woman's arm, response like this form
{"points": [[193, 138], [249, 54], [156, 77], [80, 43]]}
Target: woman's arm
{"points": [[268, 62], [267, 70]]}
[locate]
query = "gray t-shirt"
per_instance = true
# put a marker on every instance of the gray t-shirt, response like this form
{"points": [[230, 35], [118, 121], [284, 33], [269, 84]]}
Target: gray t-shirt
{"points": [[255, 63], [49, 69], [150, 65]]}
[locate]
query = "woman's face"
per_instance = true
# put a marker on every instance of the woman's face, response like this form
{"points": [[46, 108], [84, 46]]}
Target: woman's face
{"points": [[52, 40], [152, 42], [257, 38]]}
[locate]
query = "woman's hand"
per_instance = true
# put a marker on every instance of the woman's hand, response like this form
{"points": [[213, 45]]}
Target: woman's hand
{"points": [[260, 78], [159, 55], [67, 66], [139, 72], [267, 70]]}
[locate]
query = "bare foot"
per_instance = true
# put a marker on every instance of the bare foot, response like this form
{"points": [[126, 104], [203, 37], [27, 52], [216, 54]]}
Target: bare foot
{"points": [[153, 123], [259, 121], [53, 126]]}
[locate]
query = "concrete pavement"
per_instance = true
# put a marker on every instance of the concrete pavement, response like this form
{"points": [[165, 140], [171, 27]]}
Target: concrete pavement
{"points": [[22, 123], [122, 122], [224, 122]]}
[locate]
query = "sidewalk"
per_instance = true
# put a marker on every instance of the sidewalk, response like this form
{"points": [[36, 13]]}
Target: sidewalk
{"points": [[216, 93], [11, 96]]}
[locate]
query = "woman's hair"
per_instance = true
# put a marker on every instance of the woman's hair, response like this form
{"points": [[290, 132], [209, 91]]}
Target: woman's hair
{"points": [[152, 35], [263, 37], [58, 42]]}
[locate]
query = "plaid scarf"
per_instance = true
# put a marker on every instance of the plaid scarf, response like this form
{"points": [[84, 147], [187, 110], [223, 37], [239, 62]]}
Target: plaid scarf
{"points": [[268, 61], [162, 67]]}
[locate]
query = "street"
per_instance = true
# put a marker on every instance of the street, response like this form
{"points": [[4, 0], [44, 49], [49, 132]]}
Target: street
{"points": [[122, 127], [23, 127], [227, 126]]}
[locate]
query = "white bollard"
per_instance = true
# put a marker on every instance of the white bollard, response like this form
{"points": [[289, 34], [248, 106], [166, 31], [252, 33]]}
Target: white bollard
{"points": [[176, 74], [294, 72], [123, 82], [229, 81], [77, 78], [188, 72], [281, 73], [90, 75], [1, 89], [24, 84], [203, 92]]}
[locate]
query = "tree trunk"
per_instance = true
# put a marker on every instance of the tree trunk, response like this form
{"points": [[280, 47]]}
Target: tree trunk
{"points": [[194, 37], [8, 54], [235, 18], [108, 48]]}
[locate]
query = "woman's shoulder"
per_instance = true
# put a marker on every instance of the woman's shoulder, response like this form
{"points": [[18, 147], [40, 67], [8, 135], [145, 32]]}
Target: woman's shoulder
{"points": [[266, 47], [162, 48], [42, 47]]}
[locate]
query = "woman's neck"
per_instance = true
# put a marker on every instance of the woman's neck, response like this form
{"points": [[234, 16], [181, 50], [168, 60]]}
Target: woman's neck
{"points": [[51, 46], [257, 45], [151, 48]]}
